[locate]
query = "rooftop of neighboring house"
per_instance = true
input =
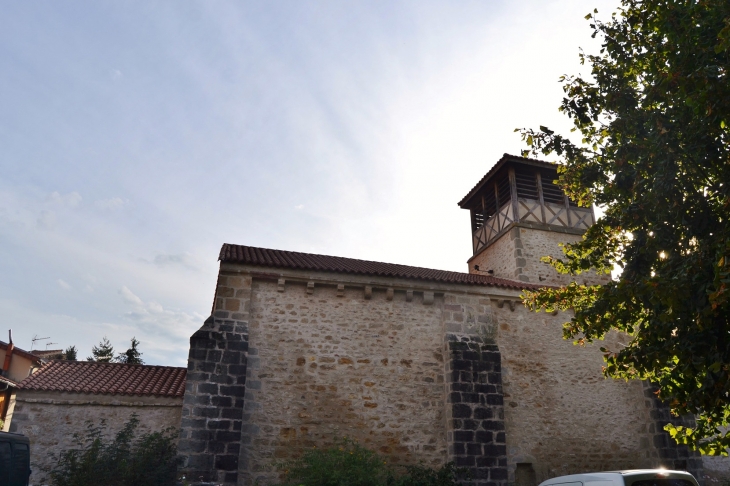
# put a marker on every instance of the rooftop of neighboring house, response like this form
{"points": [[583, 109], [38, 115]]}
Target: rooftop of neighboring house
{"points": [[20, 352], [107, 378], [47, 354], [8, 382]]}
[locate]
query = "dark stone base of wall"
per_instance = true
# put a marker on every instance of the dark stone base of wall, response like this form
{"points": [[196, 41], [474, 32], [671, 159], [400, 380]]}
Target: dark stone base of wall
{"points": [[671, 454], [210, 431], [476, 434]]}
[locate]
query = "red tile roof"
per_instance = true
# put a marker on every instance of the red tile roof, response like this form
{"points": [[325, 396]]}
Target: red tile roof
{"points": [[306, 261], [107, 378], [9, 382], [505, 158]]}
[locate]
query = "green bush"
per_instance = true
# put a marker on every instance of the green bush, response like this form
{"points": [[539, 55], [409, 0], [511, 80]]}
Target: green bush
{"points": [[349, 464], [148, 460]]}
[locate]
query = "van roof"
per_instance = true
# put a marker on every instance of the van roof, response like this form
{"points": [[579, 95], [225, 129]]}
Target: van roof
{"points": [[15, 437], [604, 475]]}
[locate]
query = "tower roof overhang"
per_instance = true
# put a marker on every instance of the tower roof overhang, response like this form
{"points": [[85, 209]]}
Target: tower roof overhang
{"points": [[505, 160]]}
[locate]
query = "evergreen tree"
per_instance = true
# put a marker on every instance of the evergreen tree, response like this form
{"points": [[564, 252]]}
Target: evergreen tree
{"points": [[70, 354], [132, 355], [103, 353]]}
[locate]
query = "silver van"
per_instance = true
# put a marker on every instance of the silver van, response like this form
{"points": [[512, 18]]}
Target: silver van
{"points": [[633, 477]]}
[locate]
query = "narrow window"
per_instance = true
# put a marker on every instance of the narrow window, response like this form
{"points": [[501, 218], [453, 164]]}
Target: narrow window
{"points": [[525, 475]]}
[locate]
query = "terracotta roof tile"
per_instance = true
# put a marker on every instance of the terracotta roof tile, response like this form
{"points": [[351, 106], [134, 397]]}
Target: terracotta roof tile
{"points": [[107, 378], [9, 382], [306, 261]]}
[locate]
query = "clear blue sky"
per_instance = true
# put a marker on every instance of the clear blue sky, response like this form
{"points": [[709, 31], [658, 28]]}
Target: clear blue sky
{"points": [[136, 137]]}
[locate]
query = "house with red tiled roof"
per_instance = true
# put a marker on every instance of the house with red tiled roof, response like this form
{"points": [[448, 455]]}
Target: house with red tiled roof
{"points": [[61, 397], [420, 365], [16, 364]]}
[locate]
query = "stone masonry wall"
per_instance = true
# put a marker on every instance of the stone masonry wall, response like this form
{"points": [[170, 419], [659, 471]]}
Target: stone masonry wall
{"points": [[432, 374], [537, 244], [328, 362], [498, 257], [562, 416], [210, 431], [474, 409], [477, 439], [50, 419], [516, 256]]}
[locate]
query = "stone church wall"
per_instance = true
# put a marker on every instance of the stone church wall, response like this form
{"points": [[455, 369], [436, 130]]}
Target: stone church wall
{"points": [[561, 415], [323, 366], [414, 370]]}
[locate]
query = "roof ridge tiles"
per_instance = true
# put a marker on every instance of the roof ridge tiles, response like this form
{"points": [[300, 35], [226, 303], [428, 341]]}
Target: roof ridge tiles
{"points": [[249, 255], [107, 378]]}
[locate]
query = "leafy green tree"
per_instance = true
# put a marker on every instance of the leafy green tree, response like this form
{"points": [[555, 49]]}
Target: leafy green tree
{"points": [[651, 145], [131, 355], [103, 353], [70, 354]]}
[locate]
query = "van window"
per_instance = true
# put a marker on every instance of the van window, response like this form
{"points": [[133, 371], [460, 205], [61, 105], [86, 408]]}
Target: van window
{"points": [[4, 462], [21, 465], [662, 482], [600, 483]]}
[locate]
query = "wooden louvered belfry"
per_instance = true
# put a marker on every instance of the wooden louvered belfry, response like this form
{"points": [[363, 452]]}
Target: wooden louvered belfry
{"points": [[521, 191]]}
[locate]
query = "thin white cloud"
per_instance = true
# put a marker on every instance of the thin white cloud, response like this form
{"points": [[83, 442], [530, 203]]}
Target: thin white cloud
{"points": [[63, 284], [179, 259], [46, 220], [129, 297], [112, 204], [72, 199], [154, 317], [115, 74], [299, 206]]}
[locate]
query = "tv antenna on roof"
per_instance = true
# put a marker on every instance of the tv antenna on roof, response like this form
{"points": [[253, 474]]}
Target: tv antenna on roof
{"points": [[48, 344], [36, 338]]}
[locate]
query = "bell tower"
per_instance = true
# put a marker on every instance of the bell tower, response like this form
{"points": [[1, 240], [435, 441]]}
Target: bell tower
{"points": [[518, 215]]}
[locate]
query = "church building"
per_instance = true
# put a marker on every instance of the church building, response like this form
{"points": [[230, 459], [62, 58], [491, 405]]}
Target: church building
{"points": [[417, 364]]}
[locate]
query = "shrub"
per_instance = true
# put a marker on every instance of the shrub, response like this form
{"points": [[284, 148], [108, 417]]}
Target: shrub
{"points": [[350, 464], [148, 460], [448, 475]]}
